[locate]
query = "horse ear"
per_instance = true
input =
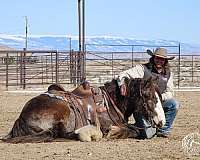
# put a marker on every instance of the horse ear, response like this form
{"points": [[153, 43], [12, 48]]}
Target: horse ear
{"points": [[126, 80]]}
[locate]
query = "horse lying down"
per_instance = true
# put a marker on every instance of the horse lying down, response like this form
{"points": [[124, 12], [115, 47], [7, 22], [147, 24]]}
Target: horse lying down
{"points": [[86, 113]]}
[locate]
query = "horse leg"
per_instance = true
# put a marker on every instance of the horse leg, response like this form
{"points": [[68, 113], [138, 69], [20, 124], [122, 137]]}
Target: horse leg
{"points": [[122, 132]]}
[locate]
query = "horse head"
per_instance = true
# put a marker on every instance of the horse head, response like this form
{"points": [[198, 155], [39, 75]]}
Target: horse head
{"points": [[143, 98]]}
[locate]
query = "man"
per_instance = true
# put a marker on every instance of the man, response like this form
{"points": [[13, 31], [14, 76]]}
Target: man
{"points": [[157, 67]]}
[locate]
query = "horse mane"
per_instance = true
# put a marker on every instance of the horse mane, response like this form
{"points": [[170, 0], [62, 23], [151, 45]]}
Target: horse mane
{"points": [[116, 113], [112, 89]]}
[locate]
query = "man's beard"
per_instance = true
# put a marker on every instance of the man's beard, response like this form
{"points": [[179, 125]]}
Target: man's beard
{"points": [[159, 68]]}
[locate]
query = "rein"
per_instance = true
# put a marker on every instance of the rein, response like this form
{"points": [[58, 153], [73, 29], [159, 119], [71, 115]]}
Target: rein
{"points": [[119, 113]]}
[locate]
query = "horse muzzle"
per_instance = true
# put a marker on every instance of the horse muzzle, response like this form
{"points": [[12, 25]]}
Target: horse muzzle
{"points": [[159, 124]]}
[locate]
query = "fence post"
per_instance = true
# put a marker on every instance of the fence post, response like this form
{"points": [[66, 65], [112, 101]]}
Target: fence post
{"points": [[57, 59], [192, 68], [79, 67], [21, 62], [17, 68], [73, 74], [24, 68], [42, 67], [52, 67], [112, 65], [179, 64], [6, 71], [132, 55]]}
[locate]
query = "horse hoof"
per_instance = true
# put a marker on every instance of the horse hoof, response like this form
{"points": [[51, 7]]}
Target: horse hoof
{"points": [[89, 133]]}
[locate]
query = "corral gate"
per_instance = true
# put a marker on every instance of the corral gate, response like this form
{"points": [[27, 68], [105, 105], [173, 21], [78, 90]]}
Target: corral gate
{"points": [[40, 67]]}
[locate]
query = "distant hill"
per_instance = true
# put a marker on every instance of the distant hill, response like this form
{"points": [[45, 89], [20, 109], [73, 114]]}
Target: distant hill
{"points": [[2, 47], [63, 43]]}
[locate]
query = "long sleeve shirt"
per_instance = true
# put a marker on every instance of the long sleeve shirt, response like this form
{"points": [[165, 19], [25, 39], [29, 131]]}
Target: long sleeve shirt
{"points": [[141, 71]]}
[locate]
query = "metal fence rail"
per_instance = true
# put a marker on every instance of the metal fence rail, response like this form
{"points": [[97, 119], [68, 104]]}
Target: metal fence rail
{"points": [[39, 68], [22, 69], [185, 68]]}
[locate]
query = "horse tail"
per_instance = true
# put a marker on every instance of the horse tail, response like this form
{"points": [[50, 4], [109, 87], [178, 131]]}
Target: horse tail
{"points": [[44, 136], [23, 133], [20, 128], [122, 132]]}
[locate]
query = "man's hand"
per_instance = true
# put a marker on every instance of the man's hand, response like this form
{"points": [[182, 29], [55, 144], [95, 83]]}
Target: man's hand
{"points": [[123, 90]]}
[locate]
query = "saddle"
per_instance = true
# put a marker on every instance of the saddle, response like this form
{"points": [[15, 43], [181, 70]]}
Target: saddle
{"points": [[81, 98], [82, 91]]}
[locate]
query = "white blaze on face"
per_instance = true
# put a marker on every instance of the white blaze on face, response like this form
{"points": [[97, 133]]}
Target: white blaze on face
{"points": [[89, 111], [160, 117]]}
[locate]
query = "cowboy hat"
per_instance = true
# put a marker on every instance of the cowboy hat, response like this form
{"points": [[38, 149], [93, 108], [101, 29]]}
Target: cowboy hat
{"points": [[160, 52]]}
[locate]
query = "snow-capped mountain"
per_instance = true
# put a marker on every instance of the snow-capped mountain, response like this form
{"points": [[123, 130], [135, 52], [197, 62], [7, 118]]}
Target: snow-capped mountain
{"points": [[95, 43]]}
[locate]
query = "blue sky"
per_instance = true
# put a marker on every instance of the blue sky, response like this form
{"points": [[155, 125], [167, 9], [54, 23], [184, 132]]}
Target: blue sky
{"points": [[140, 19]]}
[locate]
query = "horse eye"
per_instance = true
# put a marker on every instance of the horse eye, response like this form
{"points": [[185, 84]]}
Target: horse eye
{"points": [[155, 99]]}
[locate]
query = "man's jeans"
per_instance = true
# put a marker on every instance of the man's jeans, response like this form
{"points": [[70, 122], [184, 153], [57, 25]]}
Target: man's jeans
{"points": [[170, 108]]}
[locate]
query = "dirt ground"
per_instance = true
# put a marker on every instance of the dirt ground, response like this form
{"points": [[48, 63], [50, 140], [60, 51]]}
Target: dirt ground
{"points": [[187, 121]]}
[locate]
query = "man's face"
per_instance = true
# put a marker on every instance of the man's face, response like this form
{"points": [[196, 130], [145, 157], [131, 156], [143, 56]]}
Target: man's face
{"points": [[159, 62]]}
